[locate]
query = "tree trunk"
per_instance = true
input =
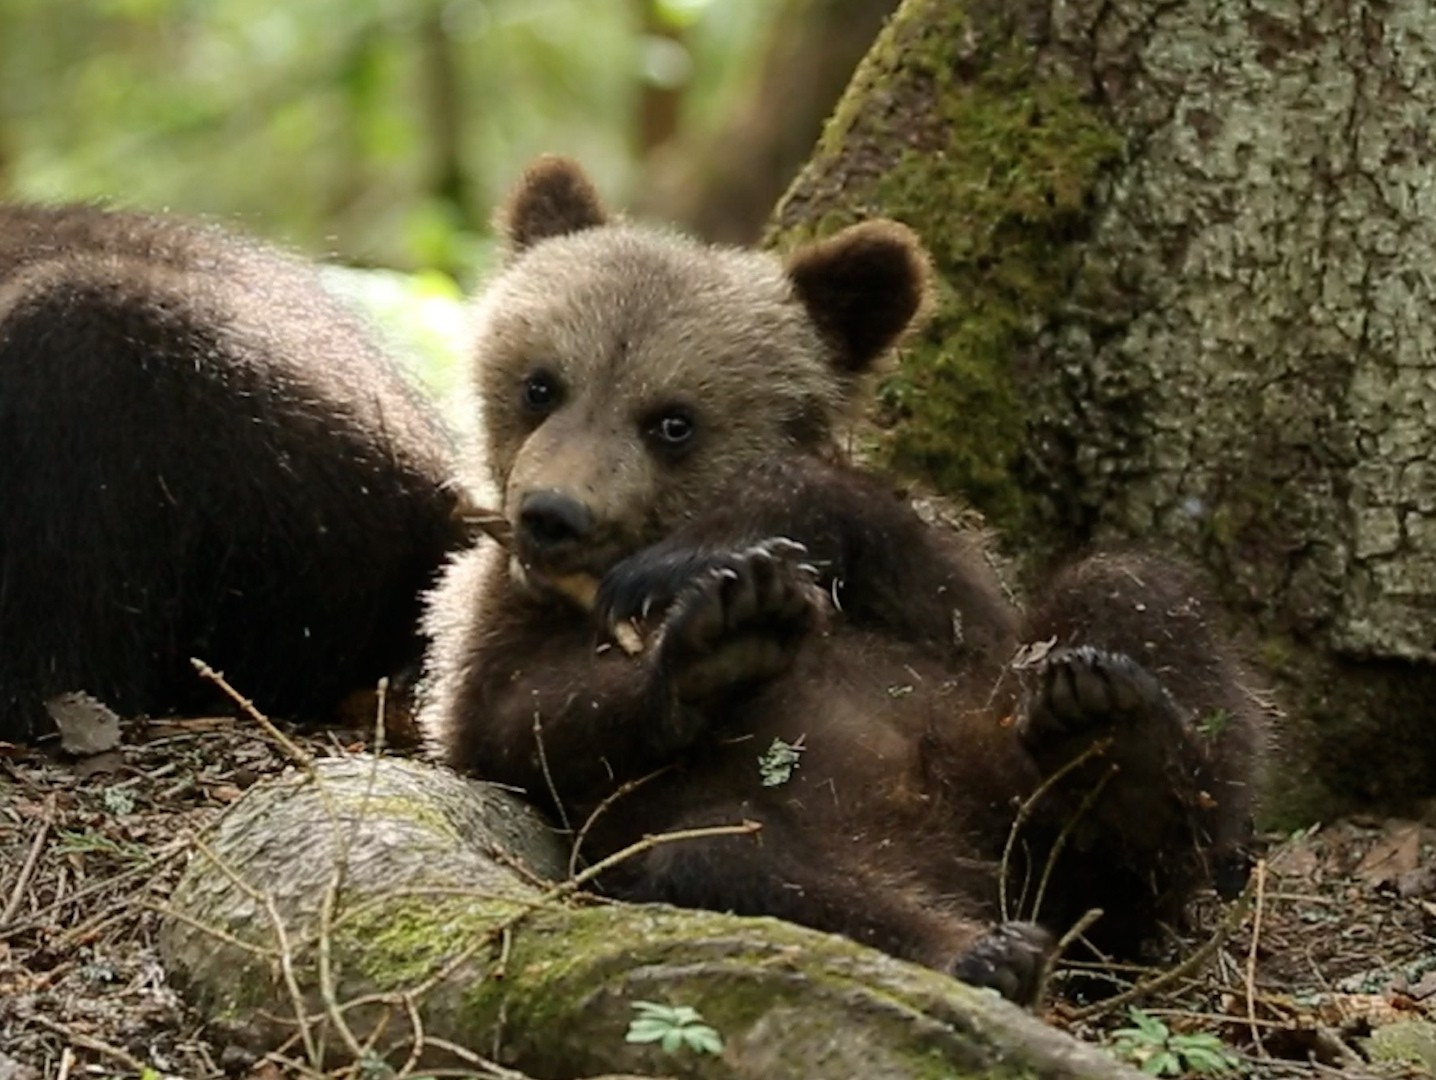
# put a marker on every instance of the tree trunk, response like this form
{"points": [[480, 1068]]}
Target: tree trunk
{"points": [[722, 183], [1186, 300], [390, 875]]}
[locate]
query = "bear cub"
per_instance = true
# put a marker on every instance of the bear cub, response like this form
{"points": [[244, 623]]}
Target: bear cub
{"points": [[660, 417]]}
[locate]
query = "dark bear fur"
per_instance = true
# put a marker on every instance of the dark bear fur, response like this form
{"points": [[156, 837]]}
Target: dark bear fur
{"points": [[661, 415], [201, 454]]}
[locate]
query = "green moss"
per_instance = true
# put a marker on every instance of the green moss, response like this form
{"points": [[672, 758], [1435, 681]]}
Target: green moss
{"points": [[399, 808], [999, 209], [592, 962], [998, 178], [403, 941]]}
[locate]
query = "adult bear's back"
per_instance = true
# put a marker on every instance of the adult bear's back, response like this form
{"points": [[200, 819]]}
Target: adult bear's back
{"points": [[201, 454]]}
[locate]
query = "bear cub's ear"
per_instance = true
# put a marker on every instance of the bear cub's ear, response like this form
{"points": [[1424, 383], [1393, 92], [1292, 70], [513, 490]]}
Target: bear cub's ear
{"points": [[863, 287], [554, 197]]}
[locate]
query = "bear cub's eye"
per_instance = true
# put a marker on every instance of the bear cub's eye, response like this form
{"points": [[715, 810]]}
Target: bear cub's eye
{"points": [[672, 429], [541, 392]]}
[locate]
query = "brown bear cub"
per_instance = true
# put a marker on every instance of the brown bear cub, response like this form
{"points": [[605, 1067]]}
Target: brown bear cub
{"points": [[661, 416], [201, 454]]}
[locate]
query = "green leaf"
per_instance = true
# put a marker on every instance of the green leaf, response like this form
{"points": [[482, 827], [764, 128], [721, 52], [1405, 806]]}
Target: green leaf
{"points": [[1149, 1025], [1162, 1063], [647, 1031], [672, 1039], [776, 764], [703, 1039]]}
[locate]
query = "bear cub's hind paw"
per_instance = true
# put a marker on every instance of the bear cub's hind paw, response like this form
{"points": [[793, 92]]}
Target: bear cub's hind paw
{"points": [[1009, 958], [1085, 689]]}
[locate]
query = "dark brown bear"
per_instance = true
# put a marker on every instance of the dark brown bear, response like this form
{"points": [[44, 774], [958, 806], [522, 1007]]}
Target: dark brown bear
{"points": [[661, 415], [201, 454]]}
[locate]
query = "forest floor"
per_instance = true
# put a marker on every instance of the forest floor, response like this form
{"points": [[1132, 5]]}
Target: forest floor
{"points": [[1326, 968]]}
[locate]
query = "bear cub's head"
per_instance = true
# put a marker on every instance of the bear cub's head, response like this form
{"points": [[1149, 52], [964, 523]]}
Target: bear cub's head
{"points": [[627, 374]]}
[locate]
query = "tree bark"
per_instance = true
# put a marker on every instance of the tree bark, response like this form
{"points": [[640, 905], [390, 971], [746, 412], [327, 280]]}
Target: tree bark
{"points": [[390, 875], [1184, 250]]}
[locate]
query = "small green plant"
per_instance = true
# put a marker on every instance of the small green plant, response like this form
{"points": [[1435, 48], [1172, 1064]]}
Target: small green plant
{"points": [[1214, 723], [673, 1027], [776, 764], [1158, 1051]]}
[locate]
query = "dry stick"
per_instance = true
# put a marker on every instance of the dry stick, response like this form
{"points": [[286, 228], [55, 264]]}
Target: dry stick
{"points": [[416, 1042], [119, 879], [1259, 874], [548, 776], [1064, 943], [581, 588], [89, 1042], [286, 955], [1062, 837], [306, 761], [213, 931], [326, 967], [332, 1010], [290, 747], [1235, 914], [623, 789], [1025, 811], [32, 859]]}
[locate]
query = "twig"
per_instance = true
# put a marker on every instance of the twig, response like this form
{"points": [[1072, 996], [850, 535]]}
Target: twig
{"points": [[286, 955], [326, 966], [1235, 914], [578, 881], [1063, 836], [89, 1042], [229, 939], [32, 859], [1025, 811], [1063, 944], [122, 878], [298, 754], [581, 588], [548, 776], [1259, 875], [613, 797]]}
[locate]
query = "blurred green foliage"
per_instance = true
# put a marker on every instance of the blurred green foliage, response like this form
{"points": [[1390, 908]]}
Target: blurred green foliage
{"points": [[378, 132]]}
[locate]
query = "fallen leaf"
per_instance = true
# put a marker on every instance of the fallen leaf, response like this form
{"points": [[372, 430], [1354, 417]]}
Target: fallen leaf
{"points": [[87, 725], [1399, 852]]}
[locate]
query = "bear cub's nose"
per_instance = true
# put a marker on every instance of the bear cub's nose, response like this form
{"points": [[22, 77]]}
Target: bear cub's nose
{"points": [[551, 520]]}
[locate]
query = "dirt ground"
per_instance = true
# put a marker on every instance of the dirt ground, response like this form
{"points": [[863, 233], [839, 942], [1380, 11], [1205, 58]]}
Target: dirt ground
{"points": [[1327, 962]]}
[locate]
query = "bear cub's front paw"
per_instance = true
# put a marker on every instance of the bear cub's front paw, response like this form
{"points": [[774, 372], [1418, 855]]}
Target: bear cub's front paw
{"points": [[724, 617], [1009, 958], [1085, 691]]}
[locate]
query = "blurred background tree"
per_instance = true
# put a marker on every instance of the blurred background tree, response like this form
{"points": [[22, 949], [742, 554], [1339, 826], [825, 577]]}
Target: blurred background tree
{"points": [[381, 132]]}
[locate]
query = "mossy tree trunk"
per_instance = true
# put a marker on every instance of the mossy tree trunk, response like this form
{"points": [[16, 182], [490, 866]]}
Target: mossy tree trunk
{"points": [[414, 921], [1187, 286]]}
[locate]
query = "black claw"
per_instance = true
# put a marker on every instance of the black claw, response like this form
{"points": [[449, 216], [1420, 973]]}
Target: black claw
{"points": [[1008, 959], [1085, 687]]}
